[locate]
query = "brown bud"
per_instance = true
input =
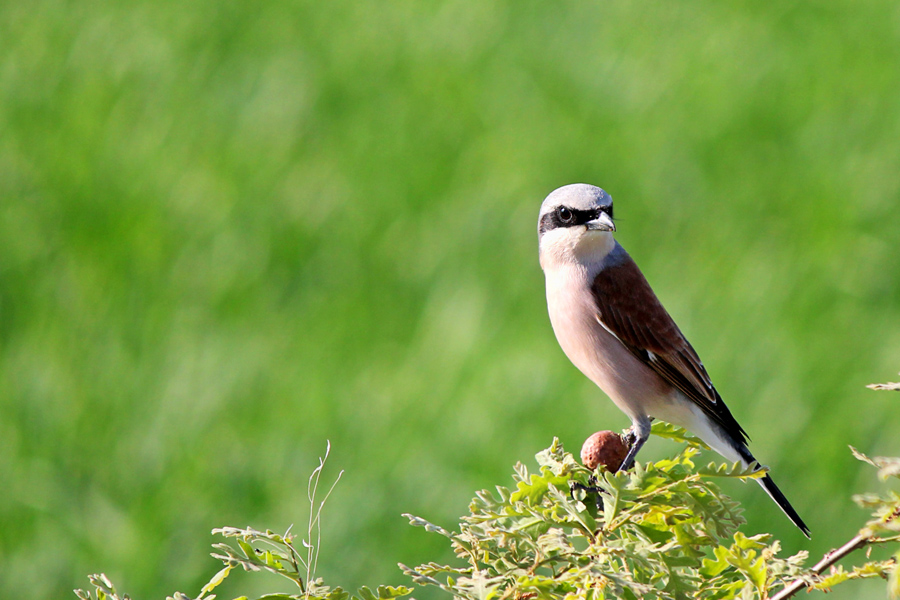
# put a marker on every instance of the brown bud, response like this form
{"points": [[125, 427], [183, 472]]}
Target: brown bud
{"points": [[606, 448]]}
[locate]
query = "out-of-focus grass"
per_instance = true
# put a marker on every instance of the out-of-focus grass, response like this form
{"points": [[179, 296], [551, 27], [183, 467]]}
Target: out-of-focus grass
{"points": [[232, 230]]}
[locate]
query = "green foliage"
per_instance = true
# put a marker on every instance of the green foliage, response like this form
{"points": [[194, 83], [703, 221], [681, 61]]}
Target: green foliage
{"points": [[884, 526], [258, 551], [268, 551], [663, 530]]}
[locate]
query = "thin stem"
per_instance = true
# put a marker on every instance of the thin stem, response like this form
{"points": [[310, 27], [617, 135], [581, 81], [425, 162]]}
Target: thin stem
{"points": [[835, 555], [317, 521], [829, 559], [311, 490]]}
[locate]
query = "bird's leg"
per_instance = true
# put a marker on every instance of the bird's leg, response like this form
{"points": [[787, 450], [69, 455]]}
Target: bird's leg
{"points": [[640, 432], [594, 489]]}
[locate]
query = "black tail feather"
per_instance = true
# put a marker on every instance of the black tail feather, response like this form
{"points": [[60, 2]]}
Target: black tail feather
{"points": [[773, 491], [776, 495]]}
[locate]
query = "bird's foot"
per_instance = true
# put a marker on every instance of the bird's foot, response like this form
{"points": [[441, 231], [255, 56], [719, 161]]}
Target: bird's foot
{"points": [[588, 489], [635, 437]]}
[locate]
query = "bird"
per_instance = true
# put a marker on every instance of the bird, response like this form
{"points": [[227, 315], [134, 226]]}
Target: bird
{"points": [[614, 329]]}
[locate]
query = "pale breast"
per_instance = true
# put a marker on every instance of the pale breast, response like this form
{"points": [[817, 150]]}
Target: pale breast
{"points": [[635, 388]]}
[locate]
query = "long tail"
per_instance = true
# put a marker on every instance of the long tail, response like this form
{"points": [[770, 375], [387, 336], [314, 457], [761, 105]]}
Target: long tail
{"points": [[776, 495], [734, 448], [771, 489]]}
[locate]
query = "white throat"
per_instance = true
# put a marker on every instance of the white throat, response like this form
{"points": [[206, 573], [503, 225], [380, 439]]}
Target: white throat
{"points": [[571, 246]]}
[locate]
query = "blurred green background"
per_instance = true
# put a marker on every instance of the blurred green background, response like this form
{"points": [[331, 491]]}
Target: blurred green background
{"points": [[233, 230]]}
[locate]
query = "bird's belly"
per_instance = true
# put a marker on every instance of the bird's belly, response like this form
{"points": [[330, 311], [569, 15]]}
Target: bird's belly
{"points": [[635, 388]]}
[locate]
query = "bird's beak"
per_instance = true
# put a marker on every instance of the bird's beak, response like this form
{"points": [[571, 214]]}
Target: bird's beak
{"points": [[602, 223]]}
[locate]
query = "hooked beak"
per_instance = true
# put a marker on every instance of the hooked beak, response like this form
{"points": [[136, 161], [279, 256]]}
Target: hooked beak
{"points": [[602, 223]]}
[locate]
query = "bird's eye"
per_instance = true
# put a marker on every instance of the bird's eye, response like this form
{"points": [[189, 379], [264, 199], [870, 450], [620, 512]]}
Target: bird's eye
{"points": [[565, 215]]}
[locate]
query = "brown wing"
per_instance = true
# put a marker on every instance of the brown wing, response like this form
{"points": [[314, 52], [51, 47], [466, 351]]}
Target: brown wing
{"points": [[631, 311]]}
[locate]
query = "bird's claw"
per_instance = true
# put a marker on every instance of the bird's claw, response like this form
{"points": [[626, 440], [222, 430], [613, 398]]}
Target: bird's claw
{"points": [[596, 490]]}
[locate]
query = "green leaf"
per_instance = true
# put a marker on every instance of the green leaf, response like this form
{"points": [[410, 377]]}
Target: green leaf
{"points": [[756, 542], [532, 491], [736, 470], [216, 580], [836, 576], [479, 586], [249, 552], [366, 594], [386, 592], [712, 568], [338, 594], [420, 522], [272, 560], [679, 434], [554, 541]]}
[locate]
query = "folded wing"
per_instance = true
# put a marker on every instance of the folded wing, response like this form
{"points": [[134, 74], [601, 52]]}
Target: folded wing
{"points": [[630, 310]]}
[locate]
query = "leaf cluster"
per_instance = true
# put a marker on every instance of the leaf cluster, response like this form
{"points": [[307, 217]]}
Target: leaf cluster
{"points": [[257, 551], [663, 530]]}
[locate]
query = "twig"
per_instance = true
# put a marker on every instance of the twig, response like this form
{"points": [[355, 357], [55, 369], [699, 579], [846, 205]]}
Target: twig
{"points": [[885, 386], [829, 559]]}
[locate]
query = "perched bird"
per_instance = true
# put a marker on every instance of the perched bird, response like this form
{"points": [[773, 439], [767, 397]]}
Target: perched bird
{"points": [[613, 328]]}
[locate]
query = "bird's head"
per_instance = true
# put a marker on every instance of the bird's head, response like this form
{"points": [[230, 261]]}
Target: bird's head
{"points": [[575, 225]]}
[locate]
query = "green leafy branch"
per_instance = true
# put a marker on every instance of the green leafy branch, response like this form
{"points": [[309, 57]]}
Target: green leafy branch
{"points": [[256, 551], [882, 528], [663, 530]]}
